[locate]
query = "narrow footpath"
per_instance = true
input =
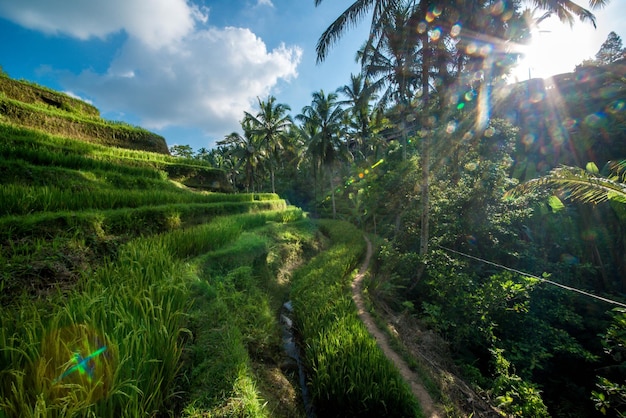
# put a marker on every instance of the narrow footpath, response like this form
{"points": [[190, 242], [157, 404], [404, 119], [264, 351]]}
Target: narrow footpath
{"points": [[426, 402]]}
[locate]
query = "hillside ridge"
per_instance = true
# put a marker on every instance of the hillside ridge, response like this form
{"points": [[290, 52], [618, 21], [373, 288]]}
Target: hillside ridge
{"points": [[32, 106]]}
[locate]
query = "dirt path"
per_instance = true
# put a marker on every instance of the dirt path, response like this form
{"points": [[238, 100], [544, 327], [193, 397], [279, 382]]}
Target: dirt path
{"points": [[426, 402]]}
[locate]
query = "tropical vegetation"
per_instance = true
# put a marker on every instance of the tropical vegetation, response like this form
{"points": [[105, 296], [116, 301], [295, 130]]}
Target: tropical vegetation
{"points": [[141, 283]]}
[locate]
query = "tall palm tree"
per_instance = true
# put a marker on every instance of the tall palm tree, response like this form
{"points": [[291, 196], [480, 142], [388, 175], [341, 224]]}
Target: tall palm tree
{"points": [[270, 125], [566, 10], [326, 146], [392, 63], [249, 150], [359, 95]]}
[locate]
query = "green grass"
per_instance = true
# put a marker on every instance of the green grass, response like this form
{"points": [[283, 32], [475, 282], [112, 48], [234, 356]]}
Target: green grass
{"points": [[24, 200], [29, 92], [235, 324], [125, 294], [63, 121], [33, 148], [349, 374], [138, 307]]}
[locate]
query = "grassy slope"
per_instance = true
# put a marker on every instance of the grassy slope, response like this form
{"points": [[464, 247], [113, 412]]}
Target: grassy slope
{"points": [[124, 293], [100, 247], [33, 106]]}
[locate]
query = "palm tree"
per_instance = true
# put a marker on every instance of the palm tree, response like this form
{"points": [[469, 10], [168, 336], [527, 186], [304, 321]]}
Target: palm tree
{"points": [[326, 146], [358, 94], [249, 150], [392, 63], [565, 10], [270, 125], [381, 9]]}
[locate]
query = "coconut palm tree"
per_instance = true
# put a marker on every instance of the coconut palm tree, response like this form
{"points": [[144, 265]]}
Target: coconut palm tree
{"points": [[359, 95], [326, 146], [270, 125], [565, 10], [429, 39], [249, 150]]}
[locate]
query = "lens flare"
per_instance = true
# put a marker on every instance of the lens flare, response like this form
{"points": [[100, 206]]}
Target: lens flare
{"points": [[83, 365], [77, 361], [617, 106], [497, 8], [456, 30], [594, 119], [379, 162], [435, 34], [528, 139]]}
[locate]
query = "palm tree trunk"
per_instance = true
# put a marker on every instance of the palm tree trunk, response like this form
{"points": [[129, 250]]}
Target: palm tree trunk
{"points": [[424, 233], [425, 159], [425, 218], [332, 194]]}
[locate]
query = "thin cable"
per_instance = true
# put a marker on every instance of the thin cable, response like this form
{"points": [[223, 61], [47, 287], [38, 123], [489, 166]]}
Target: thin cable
{"points": [[571, 289]]}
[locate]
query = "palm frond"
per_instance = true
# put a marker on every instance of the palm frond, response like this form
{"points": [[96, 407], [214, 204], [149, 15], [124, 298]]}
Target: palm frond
{"points": [[350, 16], [577, 184]]}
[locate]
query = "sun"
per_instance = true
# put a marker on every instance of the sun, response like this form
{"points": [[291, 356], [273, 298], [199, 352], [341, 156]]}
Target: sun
{"points": [[555, 48]]}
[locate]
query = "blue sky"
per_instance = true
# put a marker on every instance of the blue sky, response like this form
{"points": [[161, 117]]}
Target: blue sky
{"points": [[188, 69]]}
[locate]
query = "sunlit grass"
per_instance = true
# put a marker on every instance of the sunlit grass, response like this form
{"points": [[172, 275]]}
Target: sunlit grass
{"points": [[349, 374], [137, 306]]}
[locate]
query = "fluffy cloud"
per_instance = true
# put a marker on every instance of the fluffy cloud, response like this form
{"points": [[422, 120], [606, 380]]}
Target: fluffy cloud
{"points": [[207, 81], [155, 22], [173, 70]]}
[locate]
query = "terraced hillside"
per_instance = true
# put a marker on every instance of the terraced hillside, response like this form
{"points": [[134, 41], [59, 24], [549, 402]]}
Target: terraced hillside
{"points": [[130, 287], [26, 104], [98, 256]]}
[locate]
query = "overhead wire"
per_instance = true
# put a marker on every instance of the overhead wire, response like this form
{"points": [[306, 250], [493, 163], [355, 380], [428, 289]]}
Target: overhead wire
{"points": [[542, 279]]}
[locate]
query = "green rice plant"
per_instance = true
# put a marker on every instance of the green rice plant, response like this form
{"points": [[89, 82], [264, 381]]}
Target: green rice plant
{"points": [[144, 220], [45, 149], [349, 374], [128, 318], [133, 309], [244, 251], [224, 321], [29, 92], [17, 199], [93, 129]]}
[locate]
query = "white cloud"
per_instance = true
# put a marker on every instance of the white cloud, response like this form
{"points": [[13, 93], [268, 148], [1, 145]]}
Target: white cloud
{"points": [[207, 81], [76, 96], [172, 70], [156, 23]]}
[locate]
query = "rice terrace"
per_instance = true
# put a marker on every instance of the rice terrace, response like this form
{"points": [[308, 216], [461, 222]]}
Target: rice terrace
{"points": [[429, 240]]}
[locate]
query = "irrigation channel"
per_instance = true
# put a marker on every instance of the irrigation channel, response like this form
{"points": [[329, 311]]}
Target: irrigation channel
{"points": [[293, 351]]}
